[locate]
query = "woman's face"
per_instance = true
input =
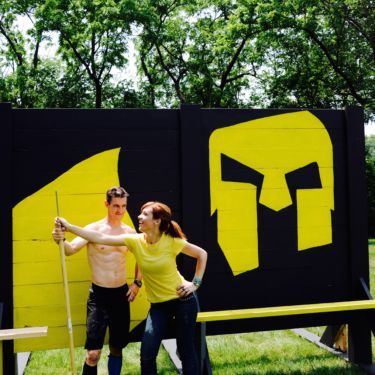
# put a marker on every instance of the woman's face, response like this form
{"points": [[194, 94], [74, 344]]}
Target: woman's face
{"points": [[146, 221]]}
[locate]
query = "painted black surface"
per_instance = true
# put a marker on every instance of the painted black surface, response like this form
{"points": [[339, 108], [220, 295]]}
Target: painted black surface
{"points": [[6, 258], [164, 156]]}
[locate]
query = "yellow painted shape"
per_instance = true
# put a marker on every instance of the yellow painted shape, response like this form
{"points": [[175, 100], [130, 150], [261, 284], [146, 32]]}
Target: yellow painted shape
{"points": [[37, 278], [314, 222], [49, 272], [36, 249], [263, 312], [272, 146], [230, 223], [61, 339], [52, 316], [27, 297]]}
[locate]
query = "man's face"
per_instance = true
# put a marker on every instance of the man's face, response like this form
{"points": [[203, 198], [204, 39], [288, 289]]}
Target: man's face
{"points": [[117, 207], [265, 155]]}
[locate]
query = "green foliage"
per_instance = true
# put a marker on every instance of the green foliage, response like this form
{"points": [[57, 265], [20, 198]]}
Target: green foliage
{"points": [[201, 53], [92, 36], [324, 53], [216, 53]]}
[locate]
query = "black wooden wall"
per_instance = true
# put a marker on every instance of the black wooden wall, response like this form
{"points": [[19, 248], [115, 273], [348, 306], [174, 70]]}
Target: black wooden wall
{"points": [[165, 156]]}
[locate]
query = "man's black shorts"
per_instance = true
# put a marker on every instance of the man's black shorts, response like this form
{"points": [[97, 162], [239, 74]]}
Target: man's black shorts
{"points": [[107, 307]]}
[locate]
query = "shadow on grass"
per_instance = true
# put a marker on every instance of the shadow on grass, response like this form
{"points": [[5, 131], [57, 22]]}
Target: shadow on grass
{"points": [[304, 365]]}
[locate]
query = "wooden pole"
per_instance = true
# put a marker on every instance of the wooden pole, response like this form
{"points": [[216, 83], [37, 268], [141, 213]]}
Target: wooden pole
{"points": [[67, 299]]}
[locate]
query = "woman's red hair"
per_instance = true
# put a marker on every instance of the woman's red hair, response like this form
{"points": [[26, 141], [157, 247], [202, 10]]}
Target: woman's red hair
{"points": [[164, 213]]}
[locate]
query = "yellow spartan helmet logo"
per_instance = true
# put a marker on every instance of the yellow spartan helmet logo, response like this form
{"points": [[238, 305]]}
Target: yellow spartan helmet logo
{"points": [[271, 147]]}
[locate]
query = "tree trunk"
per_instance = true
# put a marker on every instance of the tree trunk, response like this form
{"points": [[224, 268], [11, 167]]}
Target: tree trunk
{"points": [[98, 94]]}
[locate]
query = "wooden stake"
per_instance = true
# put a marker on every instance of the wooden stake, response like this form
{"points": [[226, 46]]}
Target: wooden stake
{"points": [[67, 299], [341, 339]]}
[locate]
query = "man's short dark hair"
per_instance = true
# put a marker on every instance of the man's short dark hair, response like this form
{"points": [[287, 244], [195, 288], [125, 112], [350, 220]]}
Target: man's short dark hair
{"points": [[116, 192]]}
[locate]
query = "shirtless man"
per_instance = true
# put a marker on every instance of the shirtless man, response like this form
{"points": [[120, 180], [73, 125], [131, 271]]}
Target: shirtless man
{"points": [[108, 301]]}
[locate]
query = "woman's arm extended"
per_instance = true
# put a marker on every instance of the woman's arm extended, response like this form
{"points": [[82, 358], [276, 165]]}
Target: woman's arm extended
{"points": [[92, 235]]}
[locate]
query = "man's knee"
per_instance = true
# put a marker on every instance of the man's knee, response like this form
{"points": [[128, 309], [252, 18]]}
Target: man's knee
{"points": [[92, 357]]}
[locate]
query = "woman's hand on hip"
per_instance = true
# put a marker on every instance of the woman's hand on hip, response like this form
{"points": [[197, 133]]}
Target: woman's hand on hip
{"points": [[186, 288]]}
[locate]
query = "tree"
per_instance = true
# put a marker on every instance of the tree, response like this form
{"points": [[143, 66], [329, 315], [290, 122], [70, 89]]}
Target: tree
{"points": [[26, 80], [217, 53], [342, 30], [92, 36], [200, 52]]}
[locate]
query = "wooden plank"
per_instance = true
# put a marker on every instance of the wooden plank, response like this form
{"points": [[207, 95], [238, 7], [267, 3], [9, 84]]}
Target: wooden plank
{"points": [[51, 316], [49, 272], [21, 333], [211, 316], [55, 316], [49, 294], [52, 294]]}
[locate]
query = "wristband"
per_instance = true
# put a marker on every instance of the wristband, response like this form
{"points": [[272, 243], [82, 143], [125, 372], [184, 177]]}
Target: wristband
{"points": [[197, 281]]}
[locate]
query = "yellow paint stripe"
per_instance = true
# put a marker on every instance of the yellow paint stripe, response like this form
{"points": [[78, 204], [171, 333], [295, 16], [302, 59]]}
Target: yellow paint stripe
{"points": [[263, 312]]}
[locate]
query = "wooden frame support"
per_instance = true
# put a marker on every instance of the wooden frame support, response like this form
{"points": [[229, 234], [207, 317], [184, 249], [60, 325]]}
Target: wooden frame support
{"points": [[22, 333], [367, 306], [18, 333], [263, 312], [202, 350], [1, 344], [359, 329], [331, 332], [329, 335]]}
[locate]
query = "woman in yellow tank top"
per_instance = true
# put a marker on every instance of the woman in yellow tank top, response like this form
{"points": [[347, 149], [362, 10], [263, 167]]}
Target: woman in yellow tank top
{"points": [[171, 296]]}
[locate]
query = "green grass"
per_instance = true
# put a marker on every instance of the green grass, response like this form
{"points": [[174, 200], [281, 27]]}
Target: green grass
{"points": [[273, 353], [372, 264], [56, 362], [260, 353]]}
